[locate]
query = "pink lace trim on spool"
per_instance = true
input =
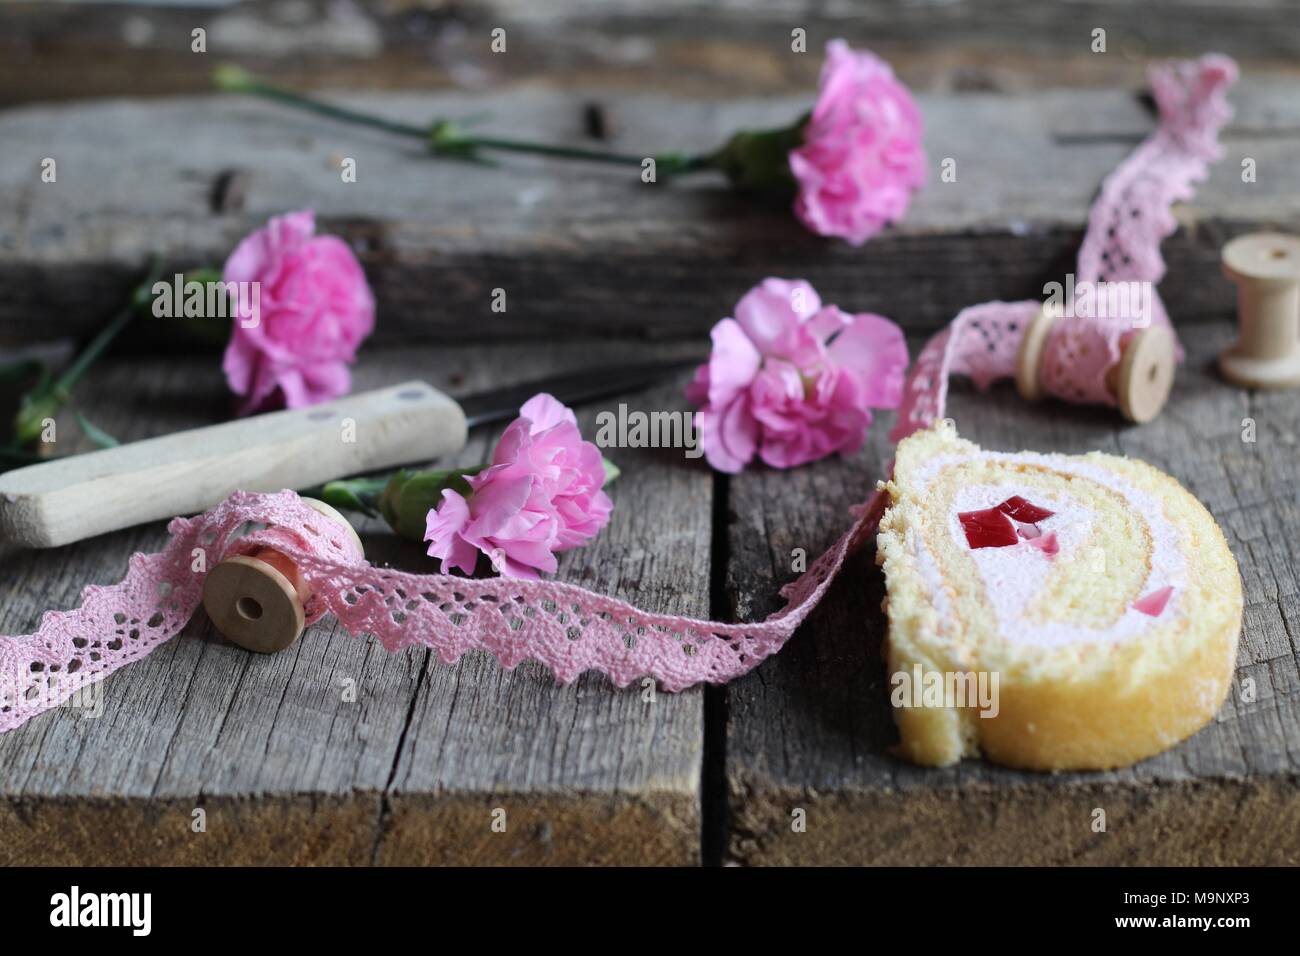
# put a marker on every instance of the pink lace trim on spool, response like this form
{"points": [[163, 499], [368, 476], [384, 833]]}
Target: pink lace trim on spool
{"points": [[116, 625], [566, 628], [1130, 218]]}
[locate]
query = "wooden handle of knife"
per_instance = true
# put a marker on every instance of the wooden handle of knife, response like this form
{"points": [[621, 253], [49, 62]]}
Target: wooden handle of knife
{"points": [[80, 496]]}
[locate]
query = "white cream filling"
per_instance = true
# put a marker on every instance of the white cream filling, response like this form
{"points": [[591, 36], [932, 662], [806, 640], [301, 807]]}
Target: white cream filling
{"points": [[1015, 574]]}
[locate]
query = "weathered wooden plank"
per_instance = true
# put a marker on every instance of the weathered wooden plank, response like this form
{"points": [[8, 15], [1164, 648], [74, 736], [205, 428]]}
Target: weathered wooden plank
{"points": [[689, 46], [594, 251], [286, 768], [810, 729], [579, 774]]}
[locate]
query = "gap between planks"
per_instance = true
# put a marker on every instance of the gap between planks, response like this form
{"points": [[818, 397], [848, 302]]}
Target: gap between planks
{"points": [[588, 775]]}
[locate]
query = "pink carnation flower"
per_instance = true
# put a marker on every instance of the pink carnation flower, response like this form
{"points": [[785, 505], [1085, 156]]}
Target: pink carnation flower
{"points": [[315, 308], [862, 156], [792, 380], [540, 495]]}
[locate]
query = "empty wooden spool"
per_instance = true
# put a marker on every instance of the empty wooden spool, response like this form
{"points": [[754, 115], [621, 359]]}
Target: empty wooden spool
{"points": [[1140, 381], [1266, 268], [257, 601]]}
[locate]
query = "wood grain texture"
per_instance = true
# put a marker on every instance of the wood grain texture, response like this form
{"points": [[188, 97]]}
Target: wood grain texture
{"points": [[585, 773], [423, 762], [287, 769], [415, 770], [697, 47], [596, 252], [811, 728]]}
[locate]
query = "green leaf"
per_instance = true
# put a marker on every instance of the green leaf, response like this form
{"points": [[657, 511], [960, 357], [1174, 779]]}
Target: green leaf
{"points": [[611, 472], [98, 437], [48, 397], [233, 79]]}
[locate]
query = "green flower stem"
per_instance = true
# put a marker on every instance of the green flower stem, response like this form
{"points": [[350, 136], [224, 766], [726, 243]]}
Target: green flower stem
{"points": [[446, 138], [46, 400], [406, 497], [232, 79], [667, 163], [351, 494], [403, 498]]}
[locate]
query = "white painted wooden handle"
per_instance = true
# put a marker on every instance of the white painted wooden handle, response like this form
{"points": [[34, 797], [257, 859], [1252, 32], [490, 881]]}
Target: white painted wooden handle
{"points": [[80, 496]]}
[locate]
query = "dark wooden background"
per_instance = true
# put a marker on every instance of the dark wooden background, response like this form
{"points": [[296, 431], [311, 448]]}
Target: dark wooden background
{"points": [[600, 267]]}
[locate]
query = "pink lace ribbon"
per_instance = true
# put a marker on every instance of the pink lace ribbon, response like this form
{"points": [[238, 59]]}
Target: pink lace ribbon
{"points": [[566, 628], [1130, 218]]}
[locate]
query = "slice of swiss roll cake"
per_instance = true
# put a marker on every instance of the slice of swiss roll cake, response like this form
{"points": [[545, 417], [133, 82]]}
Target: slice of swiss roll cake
{"points": [[1050, 611]]}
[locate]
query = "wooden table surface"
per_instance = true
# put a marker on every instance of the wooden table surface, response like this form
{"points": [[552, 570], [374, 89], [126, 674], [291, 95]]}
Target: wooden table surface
{"points": [[290, 766], [412, 767], [584, 251]]}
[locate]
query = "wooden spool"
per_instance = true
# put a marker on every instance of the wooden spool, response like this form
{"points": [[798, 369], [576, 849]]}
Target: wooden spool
{"points": [[257, 601], [1266, 268], [1140, 382]]}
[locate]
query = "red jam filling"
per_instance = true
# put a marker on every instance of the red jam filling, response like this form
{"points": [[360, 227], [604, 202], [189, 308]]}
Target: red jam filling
{"points": [[1022, 510], [1006, 524], [989, 528], [1154, 603]]}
